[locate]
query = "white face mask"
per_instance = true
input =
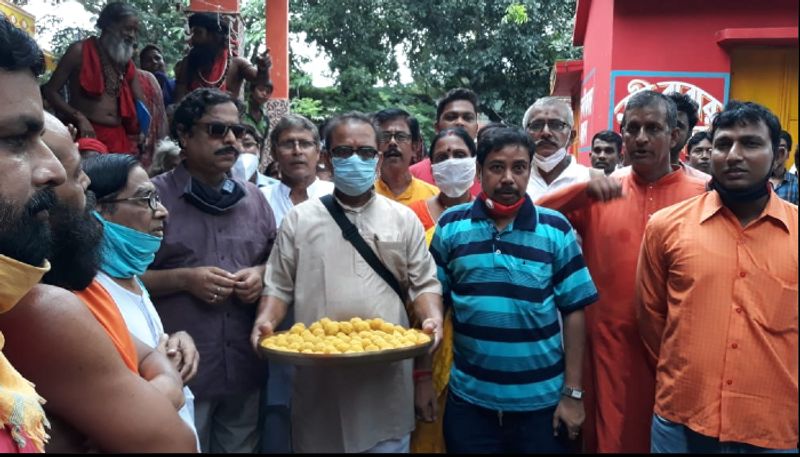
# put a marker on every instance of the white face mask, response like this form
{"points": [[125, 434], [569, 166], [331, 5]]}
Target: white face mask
{"points": [[245, 167], [548, 163], [454, 176]]}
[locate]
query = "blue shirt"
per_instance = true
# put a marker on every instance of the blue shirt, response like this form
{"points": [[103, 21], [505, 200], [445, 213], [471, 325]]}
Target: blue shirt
{"points": [[506, 290], [787, 189]]}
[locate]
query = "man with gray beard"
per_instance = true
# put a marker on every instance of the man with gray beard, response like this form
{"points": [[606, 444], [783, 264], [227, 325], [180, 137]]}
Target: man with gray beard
{"points": [[103, 88]]}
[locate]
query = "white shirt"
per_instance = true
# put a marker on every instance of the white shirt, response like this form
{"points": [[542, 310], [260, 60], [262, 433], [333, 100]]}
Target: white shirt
{"points": [[574, 173], [278, 197], [144, 323], [793, 169]]}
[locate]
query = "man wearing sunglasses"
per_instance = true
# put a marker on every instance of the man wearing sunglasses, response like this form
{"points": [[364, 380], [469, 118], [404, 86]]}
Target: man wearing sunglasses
{"points": [[207, 275], [549, 123], [319, 274], [398, 139]]}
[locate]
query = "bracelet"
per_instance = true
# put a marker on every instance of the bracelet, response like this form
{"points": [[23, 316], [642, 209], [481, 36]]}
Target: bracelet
{"points": [[422, 374]]}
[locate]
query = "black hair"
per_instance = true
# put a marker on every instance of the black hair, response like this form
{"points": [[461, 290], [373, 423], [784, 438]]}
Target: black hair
{"points": [[250, 130], [292, 122], [685, 104], [109, 174], [787, 137], [738, 113], [697, 138], [351, 117], [18, 51], [609, 137], [194, 105], [460, 133], [114, 12], [146, 49], [213, 22], [647, 98], [459, 93], [391, 114], [497, 138]]}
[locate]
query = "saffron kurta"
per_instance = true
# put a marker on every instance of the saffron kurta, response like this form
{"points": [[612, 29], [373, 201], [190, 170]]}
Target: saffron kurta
{"points": [[619, 381]]}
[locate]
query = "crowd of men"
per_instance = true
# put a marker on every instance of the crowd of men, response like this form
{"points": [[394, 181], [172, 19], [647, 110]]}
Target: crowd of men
{"points": [[644, 304]]}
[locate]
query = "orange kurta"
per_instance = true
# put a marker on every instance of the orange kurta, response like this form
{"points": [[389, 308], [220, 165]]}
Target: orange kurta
{"points": [[718, 310], [619, 381], [105, 310]]}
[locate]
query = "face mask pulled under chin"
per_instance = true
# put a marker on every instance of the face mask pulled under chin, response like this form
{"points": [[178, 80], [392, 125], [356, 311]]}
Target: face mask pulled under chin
{"points": [[547, 164], [245, 167]]}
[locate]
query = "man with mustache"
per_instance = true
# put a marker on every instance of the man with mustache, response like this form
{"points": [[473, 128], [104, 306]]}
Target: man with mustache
{"points": [[30, 171], [295, 145], [93, 399], [618, 379], [102, 84], [549, 124], [210, 62], [207, 275], [717, 301], [397, 142], [508, 269]]}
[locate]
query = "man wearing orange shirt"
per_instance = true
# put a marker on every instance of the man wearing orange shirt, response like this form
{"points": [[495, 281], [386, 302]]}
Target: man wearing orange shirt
{"points": [[619, 381], [717, 290]]}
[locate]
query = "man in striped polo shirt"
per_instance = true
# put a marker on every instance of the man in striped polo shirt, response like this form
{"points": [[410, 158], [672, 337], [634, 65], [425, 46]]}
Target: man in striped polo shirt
{"points": [[508, 269]]}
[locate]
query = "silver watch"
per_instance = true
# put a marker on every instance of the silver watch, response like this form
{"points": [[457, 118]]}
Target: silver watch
{"points": [[577, 394]]}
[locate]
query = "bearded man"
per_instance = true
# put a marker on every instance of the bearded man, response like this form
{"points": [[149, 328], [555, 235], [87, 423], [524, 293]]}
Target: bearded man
{"points": [[103, 88], [210, 62]]}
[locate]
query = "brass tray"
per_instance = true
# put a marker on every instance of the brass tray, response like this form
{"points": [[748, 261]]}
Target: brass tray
{"points": [[341, 360]]}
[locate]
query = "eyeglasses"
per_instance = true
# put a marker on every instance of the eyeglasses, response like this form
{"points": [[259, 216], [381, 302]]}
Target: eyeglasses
{"points": [[399, 137], [303, 145], [153, 200], [365, 152], [220, 130], [553, 124]]}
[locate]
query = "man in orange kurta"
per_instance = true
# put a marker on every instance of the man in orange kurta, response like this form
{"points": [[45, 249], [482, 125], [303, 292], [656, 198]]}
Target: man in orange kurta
{"points": [[620, 383]]}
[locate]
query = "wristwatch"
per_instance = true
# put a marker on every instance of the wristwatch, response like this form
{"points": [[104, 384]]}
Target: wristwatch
{"points": [[577, 394]]}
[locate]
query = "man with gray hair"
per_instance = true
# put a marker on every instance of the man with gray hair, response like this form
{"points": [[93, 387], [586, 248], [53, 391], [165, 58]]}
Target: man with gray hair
{"points": [[102, 84], [620, 382], [295, 146], [549, 123]]}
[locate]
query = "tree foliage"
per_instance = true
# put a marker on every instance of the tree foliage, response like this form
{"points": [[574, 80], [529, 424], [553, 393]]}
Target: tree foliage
{"points": [[502, 49]]}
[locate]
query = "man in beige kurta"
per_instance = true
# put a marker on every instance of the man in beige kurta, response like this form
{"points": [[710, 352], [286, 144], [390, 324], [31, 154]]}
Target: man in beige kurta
{"points": [[316, 273]]}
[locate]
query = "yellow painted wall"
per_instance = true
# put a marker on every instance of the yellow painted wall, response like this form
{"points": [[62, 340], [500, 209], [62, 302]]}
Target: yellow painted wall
{"points": [[769, 76]]}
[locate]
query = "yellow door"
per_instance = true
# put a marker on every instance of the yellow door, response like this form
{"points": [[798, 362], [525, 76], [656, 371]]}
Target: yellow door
{"points": [[769, 76]]}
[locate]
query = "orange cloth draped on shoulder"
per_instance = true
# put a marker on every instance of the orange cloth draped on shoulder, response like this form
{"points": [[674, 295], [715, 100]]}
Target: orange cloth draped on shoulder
{"points": [[617, 376], [105, 310], [428, 437], [219, 71], [92, 81]]}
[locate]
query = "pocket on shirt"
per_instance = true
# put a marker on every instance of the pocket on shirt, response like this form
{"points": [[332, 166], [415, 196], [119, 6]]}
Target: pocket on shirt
{"points": [[777, 311]]}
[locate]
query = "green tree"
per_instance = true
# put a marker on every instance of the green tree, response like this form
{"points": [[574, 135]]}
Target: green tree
{"points": [[502, 49]]}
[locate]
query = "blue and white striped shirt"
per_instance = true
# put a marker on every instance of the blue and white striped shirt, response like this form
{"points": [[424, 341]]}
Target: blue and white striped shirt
{"points": [[506, 289]]}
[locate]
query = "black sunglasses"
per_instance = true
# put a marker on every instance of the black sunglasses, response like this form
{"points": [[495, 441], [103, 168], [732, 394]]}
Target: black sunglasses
{"points": [[219, 129]]}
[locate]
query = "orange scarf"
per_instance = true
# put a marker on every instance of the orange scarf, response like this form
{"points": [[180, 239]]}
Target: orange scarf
{"points": [[93, 83], [218, 72]]}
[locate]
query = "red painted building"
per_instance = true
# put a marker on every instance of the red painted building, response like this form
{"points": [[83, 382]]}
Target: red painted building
{"points": [[715, 50]]}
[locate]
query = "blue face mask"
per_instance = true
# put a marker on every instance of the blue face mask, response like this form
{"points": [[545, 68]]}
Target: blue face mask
{"points": [[126, 252], [353, 175]]}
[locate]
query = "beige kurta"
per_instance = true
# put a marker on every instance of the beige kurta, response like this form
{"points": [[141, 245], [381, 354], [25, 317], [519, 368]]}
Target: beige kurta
{"points": [[321, 275]]}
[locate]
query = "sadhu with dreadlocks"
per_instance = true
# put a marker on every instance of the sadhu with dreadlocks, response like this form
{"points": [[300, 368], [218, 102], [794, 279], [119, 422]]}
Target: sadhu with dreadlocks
{"points": [[211, 62]]}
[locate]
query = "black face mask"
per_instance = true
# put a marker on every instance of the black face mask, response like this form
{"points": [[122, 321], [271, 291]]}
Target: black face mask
{"points": [[750, 194], [209, 200]]}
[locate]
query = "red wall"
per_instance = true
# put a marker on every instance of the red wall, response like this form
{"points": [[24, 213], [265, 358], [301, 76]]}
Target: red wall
{"points": [[678, 35]]}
